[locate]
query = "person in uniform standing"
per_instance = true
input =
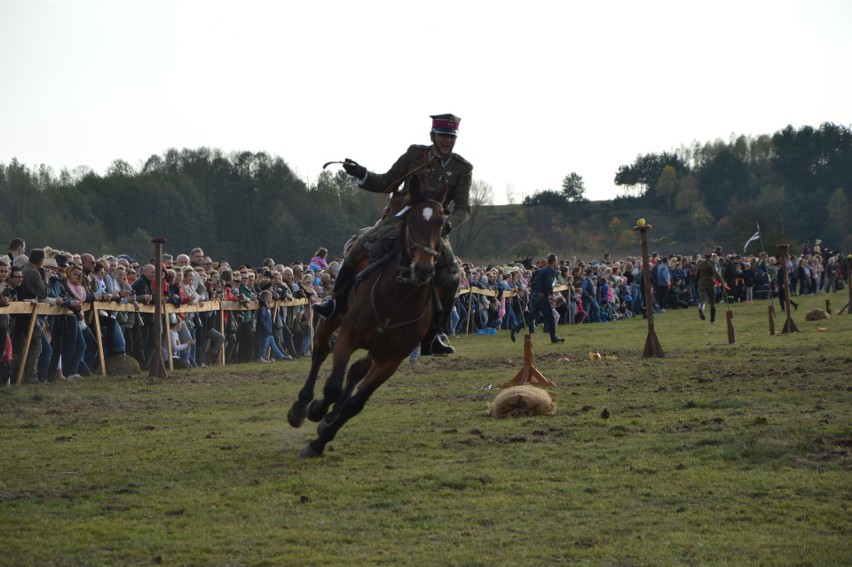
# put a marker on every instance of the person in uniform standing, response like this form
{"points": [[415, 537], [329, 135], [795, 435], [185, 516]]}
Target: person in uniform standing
{"points": [[434, 161], [541, 288], [707, 275]]}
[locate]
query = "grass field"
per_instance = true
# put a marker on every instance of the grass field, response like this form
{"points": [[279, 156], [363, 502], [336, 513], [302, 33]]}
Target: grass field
{"points": [[716, 454]]}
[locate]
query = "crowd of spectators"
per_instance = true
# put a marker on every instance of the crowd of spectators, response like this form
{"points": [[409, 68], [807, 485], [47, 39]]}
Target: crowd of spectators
{"points": [[65, 346], [604, 290]]}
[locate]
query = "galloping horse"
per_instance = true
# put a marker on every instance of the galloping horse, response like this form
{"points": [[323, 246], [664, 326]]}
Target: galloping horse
{"points": [[390, 311]]}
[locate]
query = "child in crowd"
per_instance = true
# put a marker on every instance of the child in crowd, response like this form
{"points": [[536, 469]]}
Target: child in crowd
{"points": [[265, 338], [175, 324]]}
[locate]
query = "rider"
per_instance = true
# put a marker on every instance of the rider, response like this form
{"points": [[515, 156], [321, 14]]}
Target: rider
{"points": [[435, 161]]}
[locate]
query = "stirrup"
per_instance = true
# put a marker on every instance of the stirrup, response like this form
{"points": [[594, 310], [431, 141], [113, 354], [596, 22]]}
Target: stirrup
{"points": [[441, 346]]}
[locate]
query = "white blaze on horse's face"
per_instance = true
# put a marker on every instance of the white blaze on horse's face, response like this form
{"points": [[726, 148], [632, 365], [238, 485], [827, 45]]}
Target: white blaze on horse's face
{"points": [[427, 213]]}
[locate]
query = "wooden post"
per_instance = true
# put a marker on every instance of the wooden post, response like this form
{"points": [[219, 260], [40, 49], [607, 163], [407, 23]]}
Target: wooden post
{"points": [[529, 374], [158, 369], [469, 308], [168, 337], [22, 364], [789, 325], [848, 306], [772, 320], [99, 339], [652, 343], [730, 321], [222, 326]]}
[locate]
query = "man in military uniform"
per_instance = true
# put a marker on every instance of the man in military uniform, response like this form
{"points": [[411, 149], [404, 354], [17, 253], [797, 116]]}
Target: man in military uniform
{"points": [[434, 162], [541, 286], [707, 275]]}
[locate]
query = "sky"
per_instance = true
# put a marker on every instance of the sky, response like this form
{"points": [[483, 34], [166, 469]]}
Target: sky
{"points": [[543, 88]]}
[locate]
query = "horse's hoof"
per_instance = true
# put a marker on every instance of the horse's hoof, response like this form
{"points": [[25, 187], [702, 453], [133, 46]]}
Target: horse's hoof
{"points": [[315, 412], [308, 452], [296, 418]]}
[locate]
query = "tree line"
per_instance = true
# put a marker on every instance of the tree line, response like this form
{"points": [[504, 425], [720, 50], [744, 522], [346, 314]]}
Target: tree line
{"points": [[244, 206], [796, 184]]}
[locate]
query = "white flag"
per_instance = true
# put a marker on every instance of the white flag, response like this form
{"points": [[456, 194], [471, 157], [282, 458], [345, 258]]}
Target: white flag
{"points": [[754, 237]]}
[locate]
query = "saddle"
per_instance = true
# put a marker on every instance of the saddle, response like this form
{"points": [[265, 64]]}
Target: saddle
{"points": [[376, 250]]}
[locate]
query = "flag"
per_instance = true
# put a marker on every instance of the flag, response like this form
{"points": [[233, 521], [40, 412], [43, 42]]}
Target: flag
{"points": [[754, 237]]}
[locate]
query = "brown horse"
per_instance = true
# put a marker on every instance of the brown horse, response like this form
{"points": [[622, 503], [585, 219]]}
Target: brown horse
{"points": [[390, 311]]}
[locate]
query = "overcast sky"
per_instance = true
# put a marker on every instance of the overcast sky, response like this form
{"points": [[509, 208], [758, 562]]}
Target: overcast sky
{"points": [[544, 89]]}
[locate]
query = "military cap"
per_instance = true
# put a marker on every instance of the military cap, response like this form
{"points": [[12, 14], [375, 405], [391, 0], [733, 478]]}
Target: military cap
{"points": [[445, 124]]}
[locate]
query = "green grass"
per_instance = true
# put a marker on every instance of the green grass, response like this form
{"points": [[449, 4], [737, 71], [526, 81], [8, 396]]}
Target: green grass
{"points": [[715, 454]]}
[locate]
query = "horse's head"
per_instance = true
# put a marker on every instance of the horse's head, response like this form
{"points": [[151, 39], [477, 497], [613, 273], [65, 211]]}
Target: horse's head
{"points": [[423, 225]]}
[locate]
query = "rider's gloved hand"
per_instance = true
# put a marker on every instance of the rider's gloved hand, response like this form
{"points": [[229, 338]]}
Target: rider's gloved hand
{"points": [[448, 226], [354, 169]]}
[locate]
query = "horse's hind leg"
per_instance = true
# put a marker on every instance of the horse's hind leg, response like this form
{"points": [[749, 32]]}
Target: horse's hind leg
{"points": [[356, 373], [298, 411], [352, 406], [333, 388]]}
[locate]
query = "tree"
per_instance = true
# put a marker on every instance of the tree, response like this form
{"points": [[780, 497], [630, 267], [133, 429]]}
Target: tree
{"points": [[667, 185], [647, 169], [468, 235], [546, 198], [838, 212], [688, 194], [573, 188]]}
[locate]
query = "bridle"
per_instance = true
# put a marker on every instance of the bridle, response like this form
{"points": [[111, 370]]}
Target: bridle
{"points": [[409, 244]]}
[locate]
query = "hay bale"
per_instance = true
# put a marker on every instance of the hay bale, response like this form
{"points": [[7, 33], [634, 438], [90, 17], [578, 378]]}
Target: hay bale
{"points": [[816, 314], [523, 401], [122, 365]]}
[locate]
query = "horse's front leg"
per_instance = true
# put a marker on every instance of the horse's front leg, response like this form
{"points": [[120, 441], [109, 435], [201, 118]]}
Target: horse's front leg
{"points": [[352, 406], [299, 410]]}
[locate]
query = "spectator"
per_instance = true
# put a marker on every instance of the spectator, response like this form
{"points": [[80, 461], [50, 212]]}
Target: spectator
{"points": [[664, 282], [178, 347], [17, 247], [817, 270], [245, 339], [80, 292], [318, 262], [831, 275], [265, 337], [144, 287], [589, 298], [307, 313], [33, 288]]}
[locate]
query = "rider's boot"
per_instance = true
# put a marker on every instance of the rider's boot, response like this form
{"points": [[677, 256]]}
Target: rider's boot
{"points": [[436, 341], [332, 304]]}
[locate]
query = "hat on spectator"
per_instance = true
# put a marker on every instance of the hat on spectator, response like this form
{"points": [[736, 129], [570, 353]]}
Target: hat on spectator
{"points": [[61, 260], [49, 263], [126, 257], [445, 124]]}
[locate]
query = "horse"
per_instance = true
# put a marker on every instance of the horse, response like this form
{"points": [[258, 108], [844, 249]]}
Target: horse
{"points": [[390, 310]]}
